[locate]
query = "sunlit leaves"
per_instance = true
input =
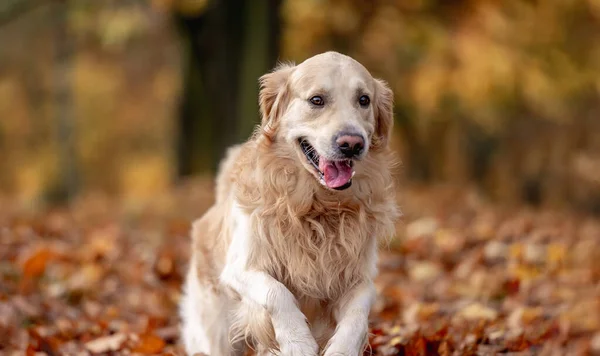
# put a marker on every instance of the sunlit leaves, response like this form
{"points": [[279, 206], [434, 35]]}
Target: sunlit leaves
{"points": [[486, 55]]}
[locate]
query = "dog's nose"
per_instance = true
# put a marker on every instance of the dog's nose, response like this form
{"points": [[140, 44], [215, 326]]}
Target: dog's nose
{"points": [[350, 145]]}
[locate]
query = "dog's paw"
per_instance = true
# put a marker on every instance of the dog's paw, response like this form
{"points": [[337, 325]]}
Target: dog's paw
{"points": [[342, 349], [305, 347], [293, 335], [341, 352]]}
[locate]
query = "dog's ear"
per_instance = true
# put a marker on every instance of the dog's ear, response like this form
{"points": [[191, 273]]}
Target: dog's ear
{"points": [[384, 114], [273, 97]]}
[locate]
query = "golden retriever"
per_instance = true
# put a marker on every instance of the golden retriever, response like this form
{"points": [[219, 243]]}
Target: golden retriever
{"points": [[284, 260]]}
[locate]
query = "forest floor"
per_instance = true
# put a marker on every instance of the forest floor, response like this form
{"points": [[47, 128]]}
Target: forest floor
{"points": [[462, 277]]}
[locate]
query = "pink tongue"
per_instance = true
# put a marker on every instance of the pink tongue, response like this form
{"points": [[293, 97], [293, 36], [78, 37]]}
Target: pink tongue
{"points": [[336, 173]]}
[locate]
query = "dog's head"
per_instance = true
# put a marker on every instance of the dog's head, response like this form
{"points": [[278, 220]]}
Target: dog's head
{"points": [[331, 110]]}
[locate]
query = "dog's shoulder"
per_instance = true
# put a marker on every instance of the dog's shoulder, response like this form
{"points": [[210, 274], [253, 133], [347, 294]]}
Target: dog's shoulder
{"points": [[227, 171]]}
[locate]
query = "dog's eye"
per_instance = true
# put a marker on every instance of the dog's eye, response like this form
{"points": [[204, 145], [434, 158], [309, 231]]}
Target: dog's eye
{"points": [[364, 100], [317, 100]]}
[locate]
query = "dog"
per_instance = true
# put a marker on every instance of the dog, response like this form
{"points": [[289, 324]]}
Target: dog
{"points": [[284, 260]]}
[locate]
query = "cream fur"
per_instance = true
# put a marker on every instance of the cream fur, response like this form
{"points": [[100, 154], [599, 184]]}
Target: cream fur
{"points": [[281, 262]]}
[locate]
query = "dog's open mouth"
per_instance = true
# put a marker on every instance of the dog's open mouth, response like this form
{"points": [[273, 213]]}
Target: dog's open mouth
{"points": [[334, 174]]}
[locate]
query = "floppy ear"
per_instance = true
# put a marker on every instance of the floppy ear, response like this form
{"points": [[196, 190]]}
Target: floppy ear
{"points": [[273, 98], [384, 114]]}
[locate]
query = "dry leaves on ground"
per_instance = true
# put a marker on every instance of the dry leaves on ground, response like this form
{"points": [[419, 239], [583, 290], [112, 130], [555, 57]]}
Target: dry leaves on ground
{"points": [[462, 278]]}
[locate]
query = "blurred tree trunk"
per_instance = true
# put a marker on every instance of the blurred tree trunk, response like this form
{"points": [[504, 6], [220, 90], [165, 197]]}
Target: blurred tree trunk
{"points": [[226, 48], [261, 51], [68, 183], [194, 122]]}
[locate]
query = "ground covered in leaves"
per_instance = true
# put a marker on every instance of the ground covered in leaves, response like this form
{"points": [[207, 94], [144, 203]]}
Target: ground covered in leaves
{"points": [[462, 277]]}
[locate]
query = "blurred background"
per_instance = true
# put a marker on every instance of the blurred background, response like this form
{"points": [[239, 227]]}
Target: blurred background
{"points": [[130, 97], [115, 113]]}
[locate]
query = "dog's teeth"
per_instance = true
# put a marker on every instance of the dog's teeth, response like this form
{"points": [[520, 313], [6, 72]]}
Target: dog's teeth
{"points": [[353, 173]]}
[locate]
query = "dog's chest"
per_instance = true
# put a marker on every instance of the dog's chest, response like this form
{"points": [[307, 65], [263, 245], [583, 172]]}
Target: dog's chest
{"points": [[320, 255]]}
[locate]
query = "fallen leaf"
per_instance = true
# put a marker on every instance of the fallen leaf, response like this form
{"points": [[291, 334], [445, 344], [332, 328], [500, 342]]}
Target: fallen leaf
{"points": [[556, 253], [149, 344], [424, 271], [582, 317], [421, 228], [35, 265], [106, 343], [534, 253], [523, 316], [449, 241], [495, 251], [477, 311], [86, 278], [515, 251]]}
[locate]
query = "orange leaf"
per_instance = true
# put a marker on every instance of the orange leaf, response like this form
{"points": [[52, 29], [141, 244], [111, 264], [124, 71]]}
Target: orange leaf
{"points": [[30, 351], [417, 346], [35, 265], [150, 344], [154, 322], [445, 349]]}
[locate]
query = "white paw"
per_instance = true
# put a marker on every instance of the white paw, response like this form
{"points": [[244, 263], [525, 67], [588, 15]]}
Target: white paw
{"points": [[305, 347], [342, 352], [294, 336], [336, 348]]}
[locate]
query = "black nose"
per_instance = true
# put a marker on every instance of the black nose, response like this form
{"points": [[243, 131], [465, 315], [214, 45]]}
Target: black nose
{"points": [[350, 145]]}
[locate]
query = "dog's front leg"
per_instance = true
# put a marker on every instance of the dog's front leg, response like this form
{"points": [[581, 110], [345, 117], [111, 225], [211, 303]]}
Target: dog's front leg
{"points": [[291, 328], [352, 316]]}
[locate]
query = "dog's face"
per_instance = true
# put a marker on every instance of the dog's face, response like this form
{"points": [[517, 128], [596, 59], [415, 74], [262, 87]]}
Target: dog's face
{"points": [[331, 111]]}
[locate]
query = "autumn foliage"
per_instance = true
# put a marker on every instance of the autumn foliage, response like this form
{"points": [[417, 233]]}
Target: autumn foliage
{"points": [[462, 277], [500, 93]]}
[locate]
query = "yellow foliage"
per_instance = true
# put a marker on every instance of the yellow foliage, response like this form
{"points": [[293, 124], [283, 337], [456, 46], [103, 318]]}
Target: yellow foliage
{"points": [[556, 254], [142, 178], [480, 68], [490, 55]]}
